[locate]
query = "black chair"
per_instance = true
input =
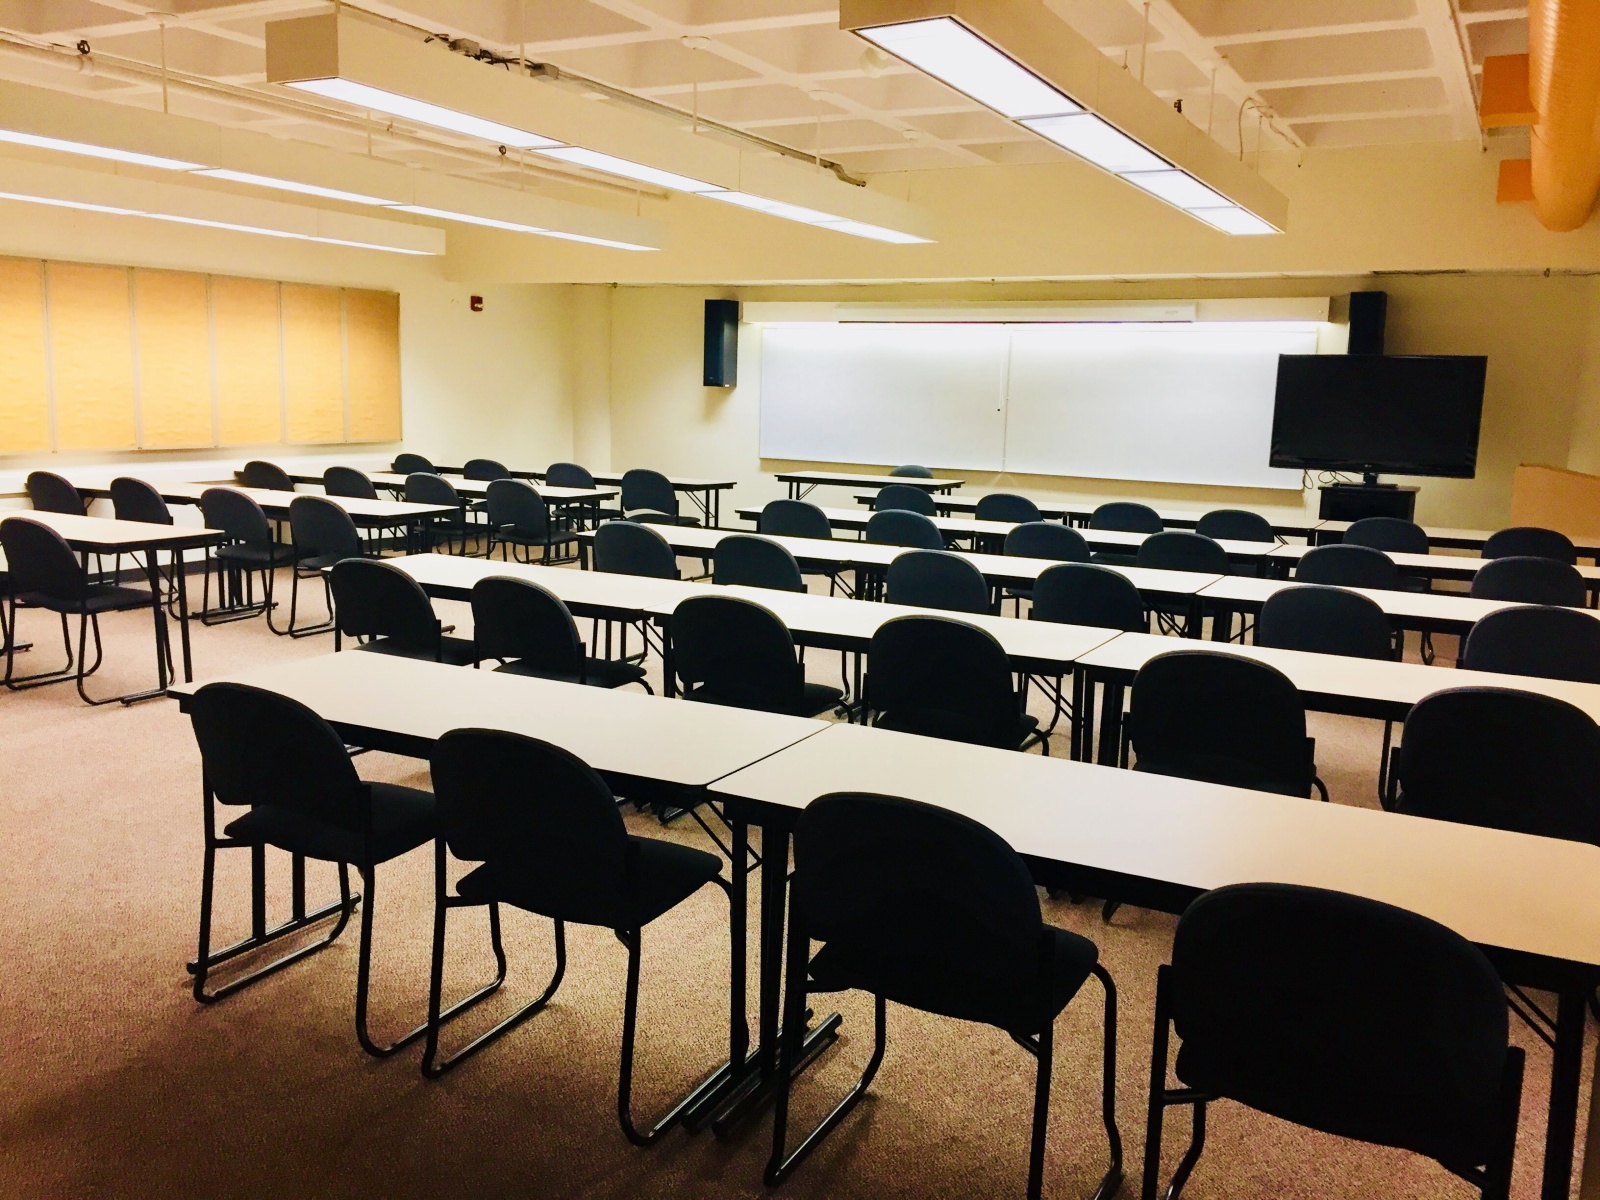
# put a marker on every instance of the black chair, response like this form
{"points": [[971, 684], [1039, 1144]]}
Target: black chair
{"points": [[1348, 566], [1006, 506], [569, 475], [1123, 516], [1389, 534], [904, 496], [937, 579], [1235, 525], [1544, 641], [1221, 718], [755, 562], [549, 839], [799, 518], [1043, 539], [931, 909], [734, 652], [135, 500], [911, 471], [944, 678], [349, 483], [651, 493], [1530, 580], [531, 632], [378, 601], [1531, 541], [899, 527], [250, 549], [323, 535], [1178, 550], [43, 572], [270, 476], [1340, 1014], [425, 488], [49, 492], [628, 548], [412, 464], [519, 516], [290, 767], [484, 470], [1086, 594]]}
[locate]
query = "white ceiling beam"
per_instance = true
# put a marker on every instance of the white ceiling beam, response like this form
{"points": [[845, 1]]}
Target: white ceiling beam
{"points": [[1450, 56]]}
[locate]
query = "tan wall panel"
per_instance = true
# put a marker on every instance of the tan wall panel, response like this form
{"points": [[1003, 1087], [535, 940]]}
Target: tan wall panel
{"points": [[173, 327], [1568, 501], [313, 363], [372, 334], [249, 361], [91, 352], [24, 386]]}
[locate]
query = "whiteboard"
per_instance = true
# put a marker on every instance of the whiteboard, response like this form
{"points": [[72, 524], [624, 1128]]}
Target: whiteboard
{"points": [[1174, 403], [879, 393]]}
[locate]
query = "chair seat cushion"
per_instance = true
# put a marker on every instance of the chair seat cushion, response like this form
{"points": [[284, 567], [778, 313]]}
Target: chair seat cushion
{"points": [[458, 652], [518, 537], [257, 556], [402, 819], [321, 562], [815, 698], [953, 727], [597, 672], [939, 987], [1114, 558], [99, 598], [666, 873]]}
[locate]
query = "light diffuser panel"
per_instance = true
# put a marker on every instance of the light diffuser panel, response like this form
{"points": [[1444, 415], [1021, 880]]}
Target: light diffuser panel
{"points": [[408, 108], [1233, 220], [1089, 137], [106, 152], [1177, 187], [289, 185], [947, 50], [612, 165]]}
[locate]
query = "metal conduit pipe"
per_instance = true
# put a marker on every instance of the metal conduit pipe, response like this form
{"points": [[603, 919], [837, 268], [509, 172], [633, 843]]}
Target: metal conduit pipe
{"points": [[1564, 79]]}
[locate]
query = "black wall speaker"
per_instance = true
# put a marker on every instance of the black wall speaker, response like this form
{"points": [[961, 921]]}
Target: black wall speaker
{"points": [[1367, 313], [722, 343]]}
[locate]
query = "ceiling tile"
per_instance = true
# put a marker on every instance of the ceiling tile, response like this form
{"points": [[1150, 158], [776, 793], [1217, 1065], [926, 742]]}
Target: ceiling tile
{"points": [[1225, 18], [1332, 56], [1379, 95], [1377, 132]]}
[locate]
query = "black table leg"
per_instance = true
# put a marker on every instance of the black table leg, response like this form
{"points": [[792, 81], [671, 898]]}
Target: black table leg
{"points": [[1566, 1071], [1111, 724], [180, 579], [1221, 623]]}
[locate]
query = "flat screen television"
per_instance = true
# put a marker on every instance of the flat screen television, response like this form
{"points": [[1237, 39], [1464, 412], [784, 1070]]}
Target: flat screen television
{"points": [[1397, 414]]}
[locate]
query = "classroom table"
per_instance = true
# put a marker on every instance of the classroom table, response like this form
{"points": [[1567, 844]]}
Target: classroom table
{"points": [[950, 504], [1532, 903], [477, 489], [1284, 522], [1450, 538], [103, 535], [372, 513], [704, 494], [801, 483], [1430, 566]]}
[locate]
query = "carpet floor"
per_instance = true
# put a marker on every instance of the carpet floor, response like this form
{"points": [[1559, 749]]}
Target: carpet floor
{"points": [[115, 1083]]}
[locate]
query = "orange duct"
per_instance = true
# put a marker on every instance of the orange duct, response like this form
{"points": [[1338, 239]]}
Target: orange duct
{"points": [[1564, 76]]}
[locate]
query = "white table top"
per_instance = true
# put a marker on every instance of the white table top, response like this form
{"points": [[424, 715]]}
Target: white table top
{"points": [[476, 489], [106, 533], [1445, 535], [590, 590], [866, 479], [1510, 890], [680, 483], [1383, 680], [1283, 520], [1459, 565], [1012, 568], [275, 501], [855, 518], [1428, 606], [623, 732]]}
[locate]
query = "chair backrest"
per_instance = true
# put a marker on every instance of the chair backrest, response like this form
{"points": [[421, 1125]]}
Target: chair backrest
{"points": [[755, 562], [484, 469], [1179, 550], [411, 464], [739, 651], [1540, 640], [937, 579], [1125, 516], [258, 473], [1326, 620], [1088, 594], [518, 619], [794, 518], [1345, 565], [628, 548], [49, 492], [237, 515], [38, 559], [1503, 758], [565, 474], [1006, 506], [1344, 1014], [903, 496], [258, 747], [928, 895], [530, 810], [1235, 525], [1530, 580], [1530, 540], [911, 471], [135, 500], [1389, 534], [643, 488], [516, 504], [898, 527], [944, 678], [424, 487], [376, 599], [1203, 714], [1047, 539], [349, 483], [321, 528]]}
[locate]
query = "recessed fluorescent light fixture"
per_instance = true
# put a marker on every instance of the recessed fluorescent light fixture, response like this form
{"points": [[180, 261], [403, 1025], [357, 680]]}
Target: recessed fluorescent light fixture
{"points": [[512, 226], [773, 208], [78, 204], [106, 152], [1234, 220], [1107, 147], [421, 112], [290, 185], [948, 50], [876, 232], [612, 165]]}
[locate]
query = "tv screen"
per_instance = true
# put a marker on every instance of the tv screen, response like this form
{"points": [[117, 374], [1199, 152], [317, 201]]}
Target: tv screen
{"points": [[1402, 415]]}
